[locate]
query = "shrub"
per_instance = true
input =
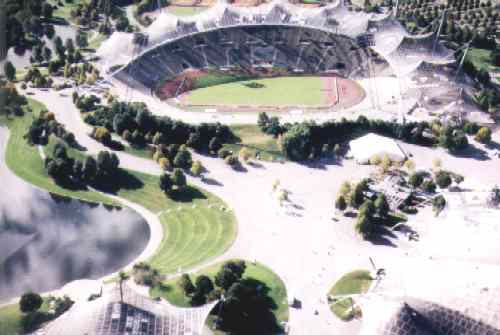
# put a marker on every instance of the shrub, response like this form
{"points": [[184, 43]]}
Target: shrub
{"points": [[186, 284], [158, 155], [416, 179], [443, 179], [341, 203], [429, 186], [196, 168], [223, 153], [144, 274], [375, 160], [102, 135], [438, 203], [483, 135], [231, 160], [30, 302], [165, 163], [245, 154]]}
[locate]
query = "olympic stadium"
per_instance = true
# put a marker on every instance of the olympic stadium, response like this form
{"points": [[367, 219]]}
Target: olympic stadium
{"points": [[278, 57]]}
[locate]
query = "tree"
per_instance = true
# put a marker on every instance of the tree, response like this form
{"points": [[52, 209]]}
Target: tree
{"points": [[340, 203], [122, 276], [59, 46], [416, 179], [164, 163], [10, 71], [367, 209], [382, 206], [495, 57], [223, 153], [89, 168], [245, 154], [47, 10], [214, 145], [386, 163], [483, 135], [81, 39], [409, 165], [107, 163], [204, 285], [296, 142], [230, 273], [166, 183], [183, 159], [263, 120], [357, 195], [47, 54], [429, 186], [364, 226], [102, 135], [179, 179], [225, 278], [186, 284], [70, 46], [345, 189], [196, 168], [443, 179], [30, 302]]}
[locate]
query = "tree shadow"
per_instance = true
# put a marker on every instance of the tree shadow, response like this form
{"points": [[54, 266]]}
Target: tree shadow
{"points": [[383, 236], [188, 194], [256, 165], [251, 312], [120, 180], [211, 181], [472, 152], [239, 168]]}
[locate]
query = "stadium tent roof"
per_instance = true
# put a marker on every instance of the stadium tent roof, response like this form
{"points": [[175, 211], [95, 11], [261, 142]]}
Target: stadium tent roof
{"points": [[365, 147]]}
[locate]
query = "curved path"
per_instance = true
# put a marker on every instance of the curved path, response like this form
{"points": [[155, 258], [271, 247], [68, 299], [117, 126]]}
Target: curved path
{"points": [[299, 240]]}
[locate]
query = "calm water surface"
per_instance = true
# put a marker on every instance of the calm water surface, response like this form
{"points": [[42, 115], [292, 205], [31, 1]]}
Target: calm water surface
{"points": [[47, 241]]}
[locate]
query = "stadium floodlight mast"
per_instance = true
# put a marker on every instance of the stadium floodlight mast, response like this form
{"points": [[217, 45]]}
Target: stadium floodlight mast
{"points": [[460, 65], [396, 9], [443, 16]]}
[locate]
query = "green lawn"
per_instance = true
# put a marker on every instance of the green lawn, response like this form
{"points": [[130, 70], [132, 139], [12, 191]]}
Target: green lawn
{"points": [[10, 318], [185, 11], [96, 40], [25, 161], [64, 11], [252, 138], [196, 227], [354, 282], [277, 291], [481, 59], [280, 91]]}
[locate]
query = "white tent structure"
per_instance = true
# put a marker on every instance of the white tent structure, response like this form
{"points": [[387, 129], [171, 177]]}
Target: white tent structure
{"points": [[365, 147]]}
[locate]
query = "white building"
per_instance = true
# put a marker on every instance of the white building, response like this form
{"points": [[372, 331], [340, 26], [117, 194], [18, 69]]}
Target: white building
{"points": [[365, 147]]}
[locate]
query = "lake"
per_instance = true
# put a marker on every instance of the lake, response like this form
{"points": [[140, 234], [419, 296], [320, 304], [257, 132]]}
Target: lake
{"points": [[47, 241]]}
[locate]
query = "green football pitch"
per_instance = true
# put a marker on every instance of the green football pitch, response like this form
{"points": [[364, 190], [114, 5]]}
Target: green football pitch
{"points": [[274, 92]]}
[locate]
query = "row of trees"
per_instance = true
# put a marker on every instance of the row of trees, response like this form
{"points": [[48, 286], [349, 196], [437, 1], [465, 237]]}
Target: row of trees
{"points": [[89, 14], [136, 124], [11, 102], [24, 20], [301, 141], [45, 125], [70, 171]]}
